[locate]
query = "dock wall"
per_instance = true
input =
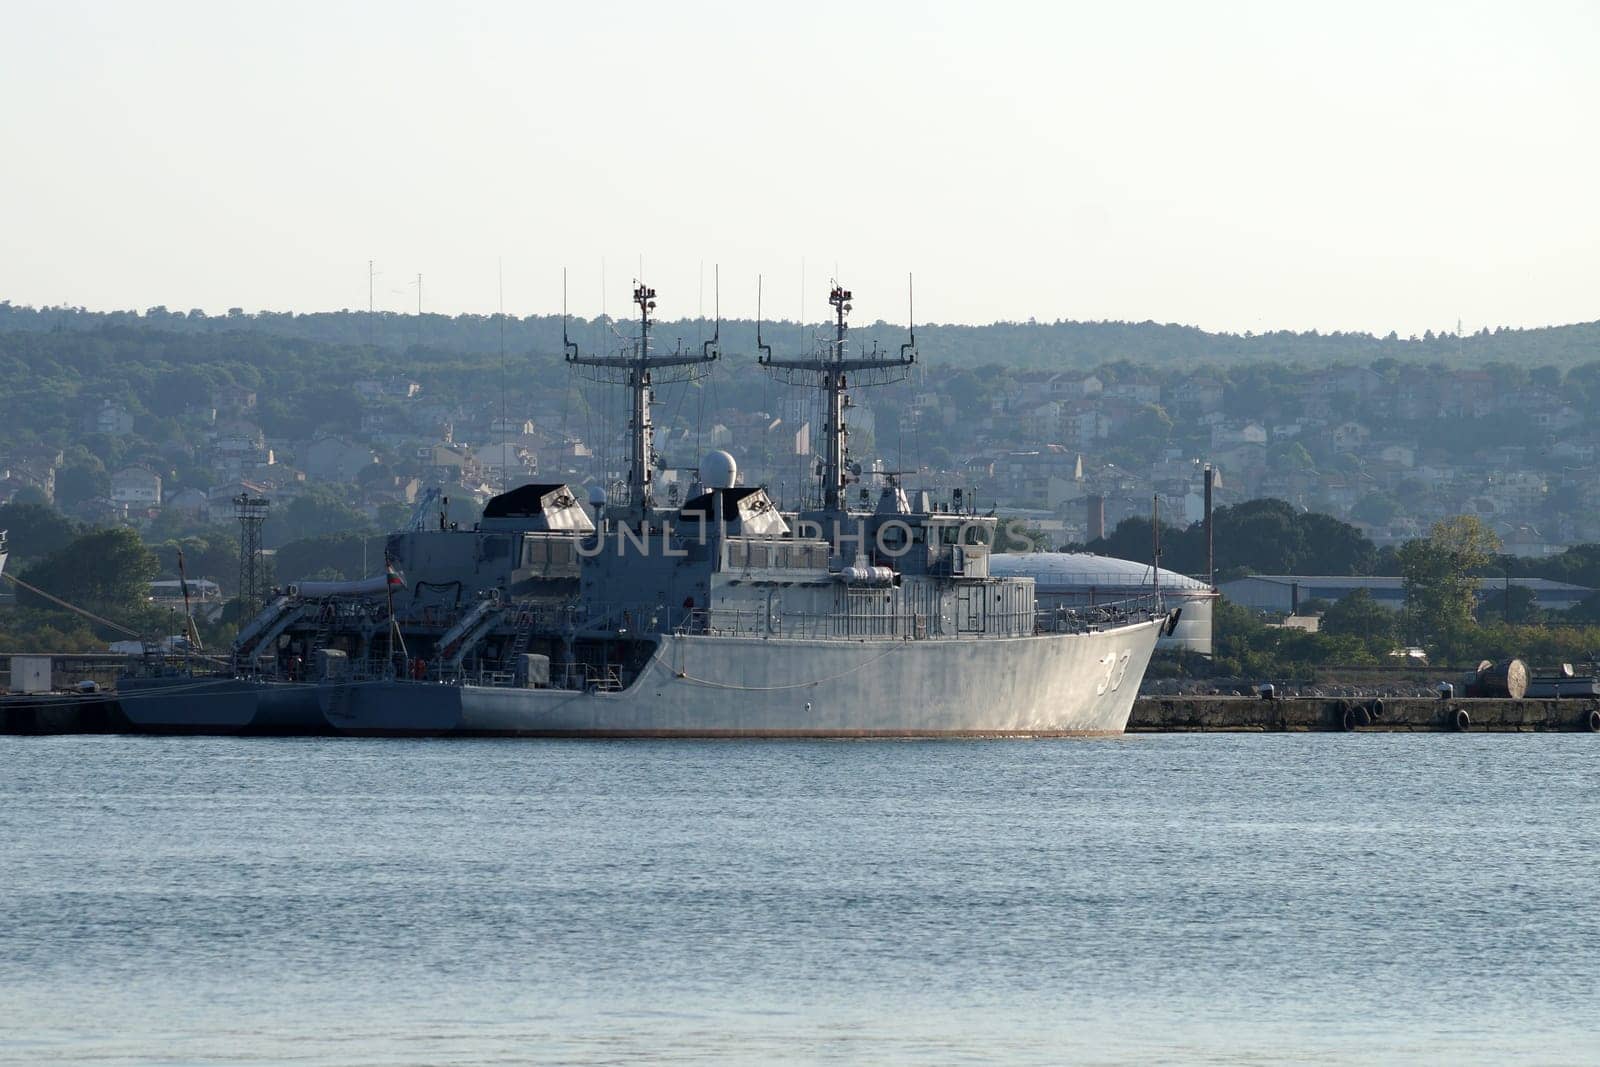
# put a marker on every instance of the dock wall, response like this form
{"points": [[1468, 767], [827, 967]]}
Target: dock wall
{"points": [[1239, 714]]}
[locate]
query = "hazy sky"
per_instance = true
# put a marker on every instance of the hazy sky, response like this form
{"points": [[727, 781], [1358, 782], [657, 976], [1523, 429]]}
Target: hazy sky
{"points": [[1235, 166]]}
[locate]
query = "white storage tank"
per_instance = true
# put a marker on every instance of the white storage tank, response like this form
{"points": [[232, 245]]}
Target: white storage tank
{"points": [[1080, 579]]}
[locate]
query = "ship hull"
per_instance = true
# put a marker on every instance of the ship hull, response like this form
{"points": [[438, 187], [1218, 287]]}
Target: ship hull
{"points": [[1069, 684], [177, 703]]}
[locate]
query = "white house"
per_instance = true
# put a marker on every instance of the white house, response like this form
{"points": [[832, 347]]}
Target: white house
{"points": [[1251, 433], [137, 488], [111, 419], [1071, 387]]}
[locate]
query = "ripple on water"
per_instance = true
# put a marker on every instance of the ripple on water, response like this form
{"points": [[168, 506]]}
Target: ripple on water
{"points": [[1226, 899]]}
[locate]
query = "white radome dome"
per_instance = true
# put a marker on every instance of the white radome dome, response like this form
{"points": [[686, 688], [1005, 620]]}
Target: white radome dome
{"points": [[719, 470]]}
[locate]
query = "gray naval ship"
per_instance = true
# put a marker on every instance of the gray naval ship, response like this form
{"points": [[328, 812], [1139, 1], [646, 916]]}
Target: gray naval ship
{"points": [[720, 617]]}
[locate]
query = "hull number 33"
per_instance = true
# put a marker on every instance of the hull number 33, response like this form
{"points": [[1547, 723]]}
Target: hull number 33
{"points": [[1116, 670]]}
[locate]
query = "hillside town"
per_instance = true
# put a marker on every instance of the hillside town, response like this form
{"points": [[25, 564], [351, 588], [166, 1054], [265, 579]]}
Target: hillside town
{"points": [[1390, 448]]}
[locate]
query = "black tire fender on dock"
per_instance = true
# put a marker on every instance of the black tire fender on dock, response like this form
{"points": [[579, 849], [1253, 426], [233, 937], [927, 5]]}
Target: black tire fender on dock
{"points": [[1375, 708], [1460, 721], [1343, 717], [1361, 715], [1591, 721]]}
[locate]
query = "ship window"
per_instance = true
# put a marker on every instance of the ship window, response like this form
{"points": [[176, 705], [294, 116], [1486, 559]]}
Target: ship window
{"points": [[949, 535], [758, 555], [536, 551], [496, 548], [893, 535], [738, 554], [977, 535], [560, 552]]}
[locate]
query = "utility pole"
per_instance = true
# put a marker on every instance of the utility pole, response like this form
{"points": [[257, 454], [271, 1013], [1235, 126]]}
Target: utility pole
{"points": [[1211, 550], [1155, 543]]}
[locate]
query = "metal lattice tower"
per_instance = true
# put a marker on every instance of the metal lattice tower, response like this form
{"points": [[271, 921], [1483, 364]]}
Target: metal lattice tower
{"points": [[827, 369], [251, 511], [634, 369]]}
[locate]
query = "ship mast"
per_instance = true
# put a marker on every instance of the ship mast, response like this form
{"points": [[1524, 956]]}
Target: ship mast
{"points": [[634, 370], [832, 368]]}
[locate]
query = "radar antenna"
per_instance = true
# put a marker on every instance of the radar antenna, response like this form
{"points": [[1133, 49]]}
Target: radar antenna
{"points": [[908, 351], [764, 349], [829, 369], [567, 346], [710, 349]]}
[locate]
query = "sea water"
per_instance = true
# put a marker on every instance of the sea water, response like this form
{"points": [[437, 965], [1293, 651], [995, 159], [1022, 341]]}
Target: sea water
{"points": [[1208, 899]]}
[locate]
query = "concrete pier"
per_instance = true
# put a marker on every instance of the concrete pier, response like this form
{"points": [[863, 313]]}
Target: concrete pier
{"points": [[1478, 715]]}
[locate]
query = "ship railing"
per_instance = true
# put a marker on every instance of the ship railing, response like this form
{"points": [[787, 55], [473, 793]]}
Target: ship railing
{"points": [[590, 677], [158, 663], [731, 622], [857, 626], [965, 621], [601, 678], [1103, 616], [753, 619], [1019, 622], [861, 625], [629, 618]]}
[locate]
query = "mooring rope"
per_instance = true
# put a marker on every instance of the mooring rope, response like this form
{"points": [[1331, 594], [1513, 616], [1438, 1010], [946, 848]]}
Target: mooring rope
{"points": [[91, 616]]}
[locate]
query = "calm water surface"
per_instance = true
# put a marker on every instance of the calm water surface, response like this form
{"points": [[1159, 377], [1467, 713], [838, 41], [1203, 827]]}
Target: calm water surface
{"points": [[1212, 899]]}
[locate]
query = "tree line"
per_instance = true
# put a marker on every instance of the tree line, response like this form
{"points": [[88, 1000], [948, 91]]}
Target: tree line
{"points": [[1061, 343]]}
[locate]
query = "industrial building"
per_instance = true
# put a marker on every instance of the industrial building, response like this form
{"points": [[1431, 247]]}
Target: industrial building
{"points": [[1286, 592]]}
